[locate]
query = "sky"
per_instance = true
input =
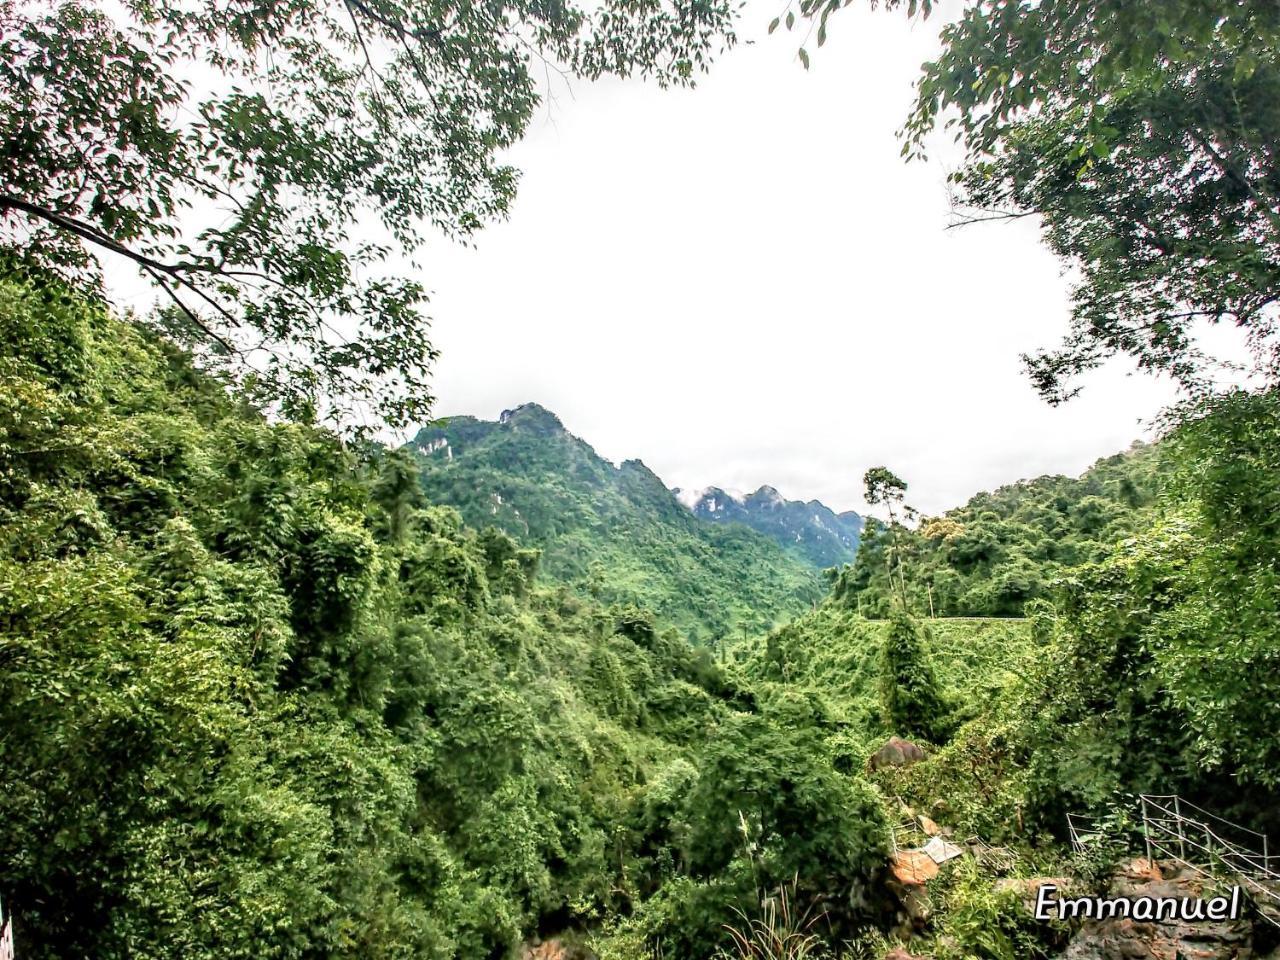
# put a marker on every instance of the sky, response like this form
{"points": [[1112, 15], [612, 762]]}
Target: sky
{"points": [[746, 284]]}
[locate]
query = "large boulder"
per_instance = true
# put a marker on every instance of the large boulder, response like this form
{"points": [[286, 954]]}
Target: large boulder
{"points": [[556, 948], [1127, 939], [896, 753], [912, 868]]}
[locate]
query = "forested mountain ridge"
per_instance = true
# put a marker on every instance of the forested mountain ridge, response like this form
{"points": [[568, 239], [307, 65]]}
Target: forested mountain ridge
{"points": [[825, 538], [616, 533], [258, 699], [1005, 547]]}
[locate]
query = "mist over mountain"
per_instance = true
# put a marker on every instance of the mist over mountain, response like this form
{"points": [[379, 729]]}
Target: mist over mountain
{"points": [[616, 532], [811, 528]]}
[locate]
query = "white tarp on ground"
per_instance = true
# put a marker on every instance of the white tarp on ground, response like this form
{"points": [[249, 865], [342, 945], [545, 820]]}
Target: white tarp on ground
{"points": [[940, 851]]}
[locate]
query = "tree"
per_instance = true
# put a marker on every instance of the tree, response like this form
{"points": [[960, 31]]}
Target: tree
{"points": [[257, 703], [232, 154], [883, 486], [910, 699], [1143, 136], [768, 788], [398, 491]]}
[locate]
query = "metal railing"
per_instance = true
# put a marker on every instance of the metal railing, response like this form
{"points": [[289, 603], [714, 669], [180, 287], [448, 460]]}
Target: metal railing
{"points": [[906, 835], [1083, 831], [1213, 847]]}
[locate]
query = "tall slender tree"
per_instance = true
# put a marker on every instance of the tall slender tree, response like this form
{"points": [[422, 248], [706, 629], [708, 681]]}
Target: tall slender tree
{"points": [[882, 486]]}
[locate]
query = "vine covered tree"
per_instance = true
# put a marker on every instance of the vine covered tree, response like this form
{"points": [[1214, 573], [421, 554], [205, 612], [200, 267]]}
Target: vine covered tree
{"points": [[262, 163], [911, 700]]}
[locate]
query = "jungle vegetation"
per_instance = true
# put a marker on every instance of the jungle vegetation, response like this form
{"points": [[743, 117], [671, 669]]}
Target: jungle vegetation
{"points": [[1002, 548], [613, 533], [259, 697]]}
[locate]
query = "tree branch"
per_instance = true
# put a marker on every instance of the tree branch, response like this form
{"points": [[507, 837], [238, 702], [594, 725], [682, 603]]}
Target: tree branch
{"points": [[154, 268]]}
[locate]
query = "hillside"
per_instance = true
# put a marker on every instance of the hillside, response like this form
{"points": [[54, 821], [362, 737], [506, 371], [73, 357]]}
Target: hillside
{"points": [[1005, 547], [615, 533], [271, 689], [251, 675], [811, 529], [259, 700]]}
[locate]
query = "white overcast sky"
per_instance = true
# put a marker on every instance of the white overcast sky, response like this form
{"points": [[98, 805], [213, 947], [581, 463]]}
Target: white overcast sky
{"points": [[745, 284]]}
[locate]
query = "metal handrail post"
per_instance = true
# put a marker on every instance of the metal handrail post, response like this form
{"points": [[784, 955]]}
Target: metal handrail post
{"points": [[1146, 830], [1182, 837]]}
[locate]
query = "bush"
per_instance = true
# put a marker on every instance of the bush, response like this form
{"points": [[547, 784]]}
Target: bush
{"points": [[980, 921]]}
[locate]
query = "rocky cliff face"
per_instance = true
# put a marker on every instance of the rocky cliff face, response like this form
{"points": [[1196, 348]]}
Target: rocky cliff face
{"points": [[809, 528]]}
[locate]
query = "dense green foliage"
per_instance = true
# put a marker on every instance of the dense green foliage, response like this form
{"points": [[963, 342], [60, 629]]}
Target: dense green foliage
{"points": [[260, 699], [911, 703], [257, 700], [261, 695], [1155, 668], [614, 532], [237, 155], [1004, 548], [839, 657], [1177, 633]]}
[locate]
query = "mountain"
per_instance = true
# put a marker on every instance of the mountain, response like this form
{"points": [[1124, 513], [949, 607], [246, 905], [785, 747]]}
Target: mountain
{"points": [[617, 532], [812, 529], [341, 723]]}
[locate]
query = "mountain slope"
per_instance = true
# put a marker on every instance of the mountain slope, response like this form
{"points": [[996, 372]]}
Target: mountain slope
{"points": [[1004, 547], [616, 532], [811, 529], [257, 700]]}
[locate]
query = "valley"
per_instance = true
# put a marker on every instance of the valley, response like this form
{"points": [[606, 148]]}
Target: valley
{"points": [[277, 685], [488, 688]]}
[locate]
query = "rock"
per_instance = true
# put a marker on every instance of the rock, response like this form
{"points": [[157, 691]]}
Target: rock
{"points": [[1127, 939], [896, 753], [1143, 870], [555, 949], [912, 868], [898, 953], [917, 906], [929, 828]]}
